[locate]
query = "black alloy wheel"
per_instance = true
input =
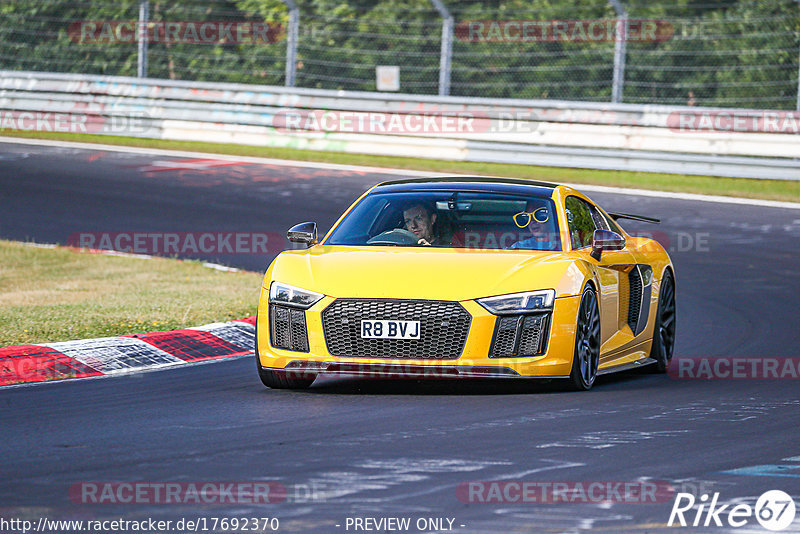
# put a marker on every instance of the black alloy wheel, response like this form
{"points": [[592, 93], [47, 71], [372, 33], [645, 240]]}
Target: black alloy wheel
{"points": [[587, 342]]}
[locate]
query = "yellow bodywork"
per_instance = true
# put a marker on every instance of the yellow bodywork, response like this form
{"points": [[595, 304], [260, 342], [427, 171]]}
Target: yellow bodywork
{"points": [[464, 275]]}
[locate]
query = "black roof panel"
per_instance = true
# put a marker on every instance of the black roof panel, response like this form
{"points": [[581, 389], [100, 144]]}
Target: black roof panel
{"points": [[461, 183]]}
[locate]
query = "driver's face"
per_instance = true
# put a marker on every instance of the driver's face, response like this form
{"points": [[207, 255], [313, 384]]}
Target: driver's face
{"points": [[419, 222]]}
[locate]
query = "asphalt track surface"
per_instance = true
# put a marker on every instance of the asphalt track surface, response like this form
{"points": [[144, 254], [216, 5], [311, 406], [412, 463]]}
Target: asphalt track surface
{"points": [[363, 448]]}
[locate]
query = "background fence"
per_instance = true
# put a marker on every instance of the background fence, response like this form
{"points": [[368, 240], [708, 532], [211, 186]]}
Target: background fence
{"points": [[706, 141], [727, 53]]}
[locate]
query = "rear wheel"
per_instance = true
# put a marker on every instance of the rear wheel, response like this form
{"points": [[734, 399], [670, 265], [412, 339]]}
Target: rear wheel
{"points": [[664, 330], [587, 342]]}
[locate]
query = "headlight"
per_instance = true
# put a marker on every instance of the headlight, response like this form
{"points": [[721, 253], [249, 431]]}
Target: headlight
{"points": [[530, 301], [292, 296]]}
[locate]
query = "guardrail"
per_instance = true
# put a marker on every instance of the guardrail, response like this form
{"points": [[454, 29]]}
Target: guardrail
{"points": [[536, 132]]}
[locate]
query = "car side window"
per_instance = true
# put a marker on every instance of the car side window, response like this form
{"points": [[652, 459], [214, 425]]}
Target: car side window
{"points": [[581, 222], [599, 221]]}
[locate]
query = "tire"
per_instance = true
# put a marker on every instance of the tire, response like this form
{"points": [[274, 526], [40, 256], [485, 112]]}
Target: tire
{"points": [[586, 358], [276, 379], [664, 328]]}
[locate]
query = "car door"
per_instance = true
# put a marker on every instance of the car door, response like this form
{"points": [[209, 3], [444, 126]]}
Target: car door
{"points": [[635, 290], [611, 273]]}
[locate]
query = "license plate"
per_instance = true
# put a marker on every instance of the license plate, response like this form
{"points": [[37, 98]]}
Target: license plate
{"points": [[388, 329]]}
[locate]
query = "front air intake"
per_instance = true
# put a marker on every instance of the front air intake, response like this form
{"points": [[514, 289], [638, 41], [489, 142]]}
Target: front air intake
{"points": [[519, 336], [287, 328]]}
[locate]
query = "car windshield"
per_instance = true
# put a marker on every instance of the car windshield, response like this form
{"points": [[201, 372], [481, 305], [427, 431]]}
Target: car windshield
{"points": [[471, 220]]}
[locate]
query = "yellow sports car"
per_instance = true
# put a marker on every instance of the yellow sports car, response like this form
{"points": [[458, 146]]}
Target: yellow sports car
{"points": [[467, 277]]}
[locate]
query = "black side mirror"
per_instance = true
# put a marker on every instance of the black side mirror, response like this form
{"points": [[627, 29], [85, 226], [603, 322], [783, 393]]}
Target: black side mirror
{"points": [[606, 240], [303, 233]]}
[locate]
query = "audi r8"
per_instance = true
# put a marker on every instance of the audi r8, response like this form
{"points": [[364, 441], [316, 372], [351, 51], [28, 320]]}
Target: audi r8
{"points": [[467, 278]]}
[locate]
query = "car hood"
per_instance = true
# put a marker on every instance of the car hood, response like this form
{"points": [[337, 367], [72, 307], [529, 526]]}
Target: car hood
{"points": [[415, 273]]}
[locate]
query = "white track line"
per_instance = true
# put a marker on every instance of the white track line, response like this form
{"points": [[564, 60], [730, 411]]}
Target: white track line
{"points": [[383, 170]]}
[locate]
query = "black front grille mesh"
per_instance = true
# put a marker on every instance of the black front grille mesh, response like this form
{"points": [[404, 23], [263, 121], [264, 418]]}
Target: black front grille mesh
{"points": [[443, 328], [288, 328], [635, 297], [519, 335], [505, 336], [530, 341]]}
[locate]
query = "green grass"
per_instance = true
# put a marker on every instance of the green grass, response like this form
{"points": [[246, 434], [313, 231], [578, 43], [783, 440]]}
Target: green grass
{"points": [[784, 190], [61, 294]]}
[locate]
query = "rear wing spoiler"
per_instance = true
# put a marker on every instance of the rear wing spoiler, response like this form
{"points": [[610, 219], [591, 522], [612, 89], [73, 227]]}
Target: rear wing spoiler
{"points": [[642, 218]]}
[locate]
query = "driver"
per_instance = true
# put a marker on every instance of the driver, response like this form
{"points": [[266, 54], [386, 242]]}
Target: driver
{"points": [[419, 220]]}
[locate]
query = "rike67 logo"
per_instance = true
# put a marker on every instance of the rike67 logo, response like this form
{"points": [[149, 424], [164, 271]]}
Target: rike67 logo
{"points": [[774, 510]]}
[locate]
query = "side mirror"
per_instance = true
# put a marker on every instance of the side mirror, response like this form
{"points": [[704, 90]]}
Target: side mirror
{"points": [[303, 233], [606, 240]]}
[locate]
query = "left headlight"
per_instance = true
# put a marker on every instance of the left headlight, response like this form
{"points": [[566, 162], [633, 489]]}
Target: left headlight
{"points": [[530, 301], [281, 293]]}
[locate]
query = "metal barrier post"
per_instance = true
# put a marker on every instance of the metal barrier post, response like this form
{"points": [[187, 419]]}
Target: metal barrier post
{"points": [[798, 75], [620, 50], [447, 48], [144, 19], [291, 42]]}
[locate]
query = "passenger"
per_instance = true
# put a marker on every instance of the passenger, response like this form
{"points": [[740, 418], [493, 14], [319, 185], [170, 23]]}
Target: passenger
{"points": [[537, 223]]}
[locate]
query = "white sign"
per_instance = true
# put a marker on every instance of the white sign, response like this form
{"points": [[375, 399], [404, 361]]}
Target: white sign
{"points": [[387, 77]]}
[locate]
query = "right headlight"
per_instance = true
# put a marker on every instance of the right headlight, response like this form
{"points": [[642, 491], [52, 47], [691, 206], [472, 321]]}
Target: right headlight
{"points": [[281, 293], [530, 301]]}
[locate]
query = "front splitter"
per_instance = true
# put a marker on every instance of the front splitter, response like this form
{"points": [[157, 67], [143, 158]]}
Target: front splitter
{"points": [[402, 371]]}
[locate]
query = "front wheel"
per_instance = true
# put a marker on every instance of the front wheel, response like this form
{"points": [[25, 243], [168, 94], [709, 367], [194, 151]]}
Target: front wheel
{"points": [[587, 342], [664, 329]]}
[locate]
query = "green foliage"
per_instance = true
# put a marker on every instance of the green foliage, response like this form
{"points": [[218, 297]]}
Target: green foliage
{"points": [[731, 53]]}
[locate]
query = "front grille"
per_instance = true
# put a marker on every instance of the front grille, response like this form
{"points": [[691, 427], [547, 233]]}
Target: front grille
{"points": [[443, 328], [519, 335], [634, 297], [288, 328]]}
